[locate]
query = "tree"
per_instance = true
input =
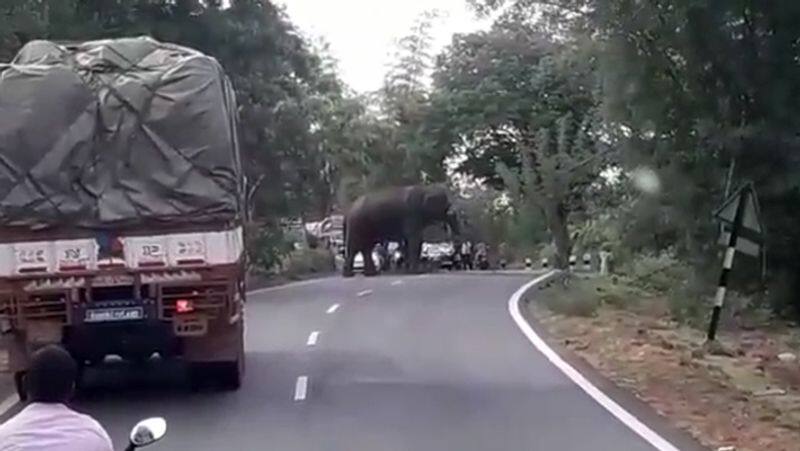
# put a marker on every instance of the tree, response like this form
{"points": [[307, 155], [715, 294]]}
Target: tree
{"points": [[410, 156], [554, 176], [517, 107]]}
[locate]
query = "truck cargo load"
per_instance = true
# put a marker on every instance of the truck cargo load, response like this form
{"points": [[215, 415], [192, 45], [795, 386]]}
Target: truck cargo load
{"points": [[115, 133]]}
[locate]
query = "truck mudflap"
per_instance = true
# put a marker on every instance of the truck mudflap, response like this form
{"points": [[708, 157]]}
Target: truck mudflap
{"points": [[222, 342]]}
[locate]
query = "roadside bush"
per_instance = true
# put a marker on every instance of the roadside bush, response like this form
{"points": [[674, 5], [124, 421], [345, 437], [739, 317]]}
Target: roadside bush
{"points": [[619, 293], [687, 309], [781, 294], [307, 261], [266, 246], [525, 231], [579, 299], [688, 301], [598, 232], [660, 273]]}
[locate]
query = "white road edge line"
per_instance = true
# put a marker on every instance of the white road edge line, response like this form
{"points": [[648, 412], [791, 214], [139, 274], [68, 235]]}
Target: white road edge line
{"points": [[301, 388], [361, 294], [628, 419], [332, 309], [312, 338]]}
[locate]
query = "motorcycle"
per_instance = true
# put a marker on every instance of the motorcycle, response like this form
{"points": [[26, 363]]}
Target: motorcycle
{"points": [[482, 262], [147, 432]]}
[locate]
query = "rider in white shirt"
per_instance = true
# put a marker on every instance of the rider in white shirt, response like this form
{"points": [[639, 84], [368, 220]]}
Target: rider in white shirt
{"points": [[47, 423]]}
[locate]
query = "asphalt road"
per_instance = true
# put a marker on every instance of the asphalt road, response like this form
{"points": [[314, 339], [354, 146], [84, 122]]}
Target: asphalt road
{"points": [[397, 363]]}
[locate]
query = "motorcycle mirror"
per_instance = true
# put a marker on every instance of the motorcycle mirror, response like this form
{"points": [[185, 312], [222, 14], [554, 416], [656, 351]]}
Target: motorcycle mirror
{"points": [[147, 432]]}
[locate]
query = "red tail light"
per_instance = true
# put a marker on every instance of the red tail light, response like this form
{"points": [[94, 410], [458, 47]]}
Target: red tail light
{"points": [[184, 306]]}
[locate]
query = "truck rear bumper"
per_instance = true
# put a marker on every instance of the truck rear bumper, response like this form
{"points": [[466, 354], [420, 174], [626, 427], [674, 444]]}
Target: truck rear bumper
{"points": [[137, 341], [130, 341]]}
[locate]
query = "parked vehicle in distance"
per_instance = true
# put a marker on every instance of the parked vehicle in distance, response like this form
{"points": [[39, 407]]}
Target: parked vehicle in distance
{"points": [[358, 262], [439, 255]]}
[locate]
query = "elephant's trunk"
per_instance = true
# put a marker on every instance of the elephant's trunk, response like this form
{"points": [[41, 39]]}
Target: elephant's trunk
{"points": [[452, 223]]}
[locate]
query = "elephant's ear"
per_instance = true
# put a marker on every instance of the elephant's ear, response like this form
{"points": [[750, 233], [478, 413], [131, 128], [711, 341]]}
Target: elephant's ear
{"points": [[435, 202]]}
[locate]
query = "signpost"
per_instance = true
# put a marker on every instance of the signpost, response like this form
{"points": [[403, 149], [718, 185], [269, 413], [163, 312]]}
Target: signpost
{"points": [[742, 231]]}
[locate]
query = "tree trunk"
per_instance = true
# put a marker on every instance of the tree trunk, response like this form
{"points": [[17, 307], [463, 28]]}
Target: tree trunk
{"points": [[557, 223]]}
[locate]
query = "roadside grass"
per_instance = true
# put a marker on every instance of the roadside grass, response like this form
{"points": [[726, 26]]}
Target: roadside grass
{"points": [[656, 285], [582, 297], [574, 299]]}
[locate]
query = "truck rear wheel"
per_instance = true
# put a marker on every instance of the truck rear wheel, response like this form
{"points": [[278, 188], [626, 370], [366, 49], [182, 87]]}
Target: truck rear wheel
{"points": [[231, 373], [219, 375], [224, 375]]}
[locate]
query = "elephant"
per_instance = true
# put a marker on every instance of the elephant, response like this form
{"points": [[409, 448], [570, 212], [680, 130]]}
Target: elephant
{"points": [[396, 214]]}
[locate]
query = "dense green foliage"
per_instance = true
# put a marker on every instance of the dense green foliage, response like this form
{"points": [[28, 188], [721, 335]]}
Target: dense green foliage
{"points": [[694, 90], [518, 109]]}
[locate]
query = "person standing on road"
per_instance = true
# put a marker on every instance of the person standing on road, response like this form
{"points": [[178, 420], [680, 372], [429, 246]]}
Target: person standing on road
{"points": [[502, 251], [46, 423], [382, 249], [482, 256], [466, 254]]}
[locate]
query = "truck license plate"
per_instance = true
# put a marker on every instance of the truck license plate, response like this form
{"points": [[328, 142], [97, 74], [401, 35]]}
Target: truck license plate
{"points": [[114, 314], [190, 326]]}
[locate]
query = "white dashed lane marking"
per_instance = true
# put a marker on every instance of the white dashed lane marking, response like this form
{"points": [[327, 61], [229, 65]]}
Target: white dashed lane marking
{"points": [[361, 294], [333, 308], [301, 388], [313, 338], [396, 283]]}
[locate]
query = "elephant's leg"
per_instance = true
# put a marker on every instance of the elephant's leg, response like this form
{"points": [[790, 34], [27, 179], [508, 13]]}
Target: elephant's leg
{"points": [[400, 264], [369, 263], [404, 250], [349, 256], [414, 246]]}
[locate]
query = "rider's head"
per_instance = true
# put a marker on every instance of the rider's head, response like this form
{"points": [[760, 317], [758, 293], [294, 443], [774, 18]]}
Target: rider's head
{"points": [[51, 375]]}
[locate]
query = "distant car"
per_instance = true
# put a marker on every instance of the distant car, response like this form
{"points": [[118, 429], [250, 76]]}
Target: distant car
{"points": [[358, 262], [439, 254]]}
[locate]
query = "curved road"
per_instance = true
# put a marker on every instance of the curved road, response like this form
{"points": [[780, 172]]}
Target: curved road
{"points": [[397, 363]]}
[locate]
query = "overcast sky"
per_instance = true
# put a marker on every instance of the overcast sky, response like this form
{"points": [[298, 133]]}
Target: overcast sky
{"points": [[361, 33]]}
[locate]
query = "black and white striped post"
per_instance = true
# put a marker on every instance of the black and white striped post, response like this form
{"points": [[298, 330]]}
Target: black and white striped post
{"points": [[727, 264], [573, 262]]}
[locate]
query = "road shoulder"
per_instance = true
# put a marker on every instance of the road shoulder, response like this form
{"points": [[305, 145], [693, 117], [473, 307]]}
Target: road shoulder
{"points": [[6, 382], [742, 393], [663, 432]]}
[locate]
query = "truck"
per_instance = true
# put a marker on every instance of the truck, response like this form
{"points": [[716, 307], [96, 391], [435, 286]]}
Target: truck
{"points": [[121, 207]]}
